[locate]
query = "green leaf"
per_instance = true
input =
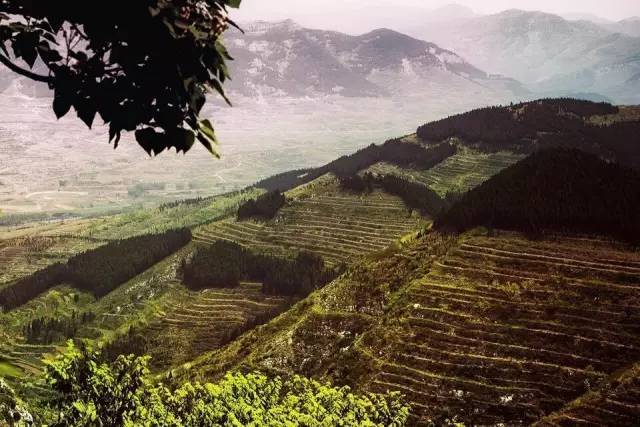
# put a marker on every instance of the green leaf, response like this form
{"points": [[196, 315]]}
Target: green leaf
{"points": [[234, 3]]}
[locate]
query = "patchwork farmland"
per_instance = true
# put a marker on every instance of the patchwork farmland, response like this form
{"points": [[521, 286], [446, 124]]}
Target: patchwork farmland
{"points": [[504, 330], [337, 225]]}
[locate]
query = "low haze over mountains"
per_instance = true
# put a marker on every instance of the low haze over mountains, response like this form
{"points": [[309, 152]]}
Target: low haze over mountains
{"points": [[539, 54], [548, 53]]}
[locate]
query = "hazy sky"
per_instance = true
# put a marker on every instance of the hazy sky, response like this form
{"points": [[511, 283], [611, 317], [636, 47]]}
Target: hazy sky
{"points": [[339, 14]]}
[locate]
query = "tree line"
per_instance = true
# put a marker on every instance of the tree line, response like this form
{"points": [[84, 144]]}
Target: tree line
{"points": [[103, 269], [264, 207], [403, 154], [414, 194], [541, 124], [47, 330], [225, 264], [99, 270], [564, 190]]}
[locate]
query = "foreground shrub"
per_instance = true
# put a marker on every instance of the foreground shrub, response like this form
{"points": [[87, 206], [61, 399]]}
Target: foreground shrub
{"points": [[91, 392]]}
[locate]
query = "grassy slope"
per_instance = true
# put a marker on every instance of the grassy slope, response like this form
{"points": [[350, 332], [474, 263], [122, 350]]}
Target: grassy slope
{"points": [[347, 330]]}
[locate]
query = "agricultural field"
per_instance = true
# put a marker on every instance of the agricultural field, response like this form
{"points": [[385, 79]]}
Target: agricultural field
{"points": [[457, 174], [198, 322], [131, 303], [505, 329], [321, 218], [476, 329], [22, 256], [614, 403], [27, 248]]}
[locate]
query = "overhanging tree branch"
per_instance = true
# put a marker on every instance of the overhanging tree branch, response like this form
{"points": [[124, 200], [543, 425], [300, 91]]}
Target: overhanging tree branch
{"points": [[26, 73]]}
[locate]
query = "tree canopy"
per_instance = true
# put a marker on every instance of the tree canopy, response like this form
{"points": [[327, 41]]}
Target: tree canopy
{"points": [[143, 66], [124, 393]]}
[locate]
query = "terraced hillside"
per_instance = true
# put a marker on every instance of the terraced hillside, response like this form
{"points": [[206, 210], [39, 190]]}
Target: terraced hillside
{"points": [[505, 330], [20, 257], [481, 330], [614, 403], [457, 174], [321, 218], [198, 322]]}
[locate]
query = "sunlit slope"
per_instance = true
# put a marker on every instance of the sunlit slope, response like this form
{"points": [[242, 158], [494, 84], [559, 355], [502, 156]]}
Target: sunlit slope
{"points": [[459, 173], [483, 330], [192, 323], [504, 329], [29, 248], [320, 217]]}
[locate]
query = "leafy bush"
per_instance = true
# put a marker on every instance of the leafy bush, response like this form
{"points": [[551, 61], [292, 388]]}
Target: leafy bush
{"points": [[265, 206], [12, 410], [123, 393]]}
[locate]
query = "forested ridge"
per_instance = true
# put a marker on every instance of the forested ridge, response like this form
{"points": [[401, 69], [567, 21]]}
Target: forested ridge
{"points": [[225, 264], [546, 123], [99, 270], [403, 154], [264, 207], [414, 194], [563, 190]]}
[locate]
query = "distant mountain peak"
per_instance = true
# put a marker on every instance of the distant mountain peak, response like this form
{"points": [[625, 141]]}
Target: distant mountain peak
{"points": [[284, 59]]}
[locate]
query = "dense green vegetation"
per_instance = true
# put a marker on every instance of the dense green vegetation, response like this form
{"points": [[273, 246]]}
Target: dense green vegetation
{"points": [[265, 206], [12, 409], [414, 194], [225, 264], [541, 124], [557, 189], [394, 151], [99, 270], [47, 330], [123, 393]]}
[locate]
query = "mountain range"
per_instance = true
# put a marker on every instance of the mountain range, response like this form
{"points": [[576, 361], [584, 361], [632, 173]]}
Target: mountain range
{"points": [[286, 59], [549, 54], [445, 54]]}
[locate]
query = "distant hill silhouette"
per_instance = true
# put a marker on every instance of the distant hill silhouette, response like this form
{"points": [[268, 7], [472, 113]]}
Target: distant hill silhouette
{"points": [[546, 123], [562, 190]]}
